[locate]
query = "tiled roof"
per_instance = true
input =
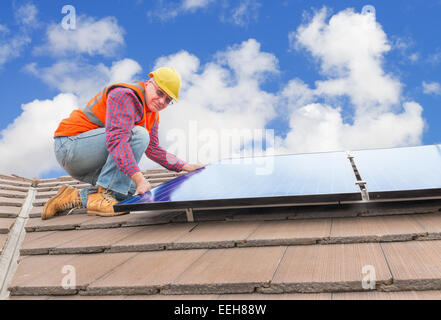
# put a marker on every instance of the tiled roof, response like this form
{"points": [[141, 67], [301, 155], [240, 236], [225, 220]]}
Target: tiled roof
{"points": [[317, 252], [13, 192]]}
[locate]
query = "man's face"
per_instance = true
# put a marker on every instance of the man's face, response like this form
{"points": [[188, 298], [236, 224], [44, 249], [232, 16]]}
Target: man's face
{"points": [[157, 99]]}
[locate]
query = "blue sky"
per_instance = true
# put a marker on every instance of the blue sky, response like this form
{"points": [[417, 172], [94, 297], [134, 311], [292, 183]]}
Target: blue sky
{"points": [[274, 75]]}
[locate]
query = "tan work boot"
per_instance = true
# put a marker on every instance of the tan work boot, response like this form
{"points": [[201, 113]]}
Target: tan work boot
{"points": [[101, 203], [66, 198]]}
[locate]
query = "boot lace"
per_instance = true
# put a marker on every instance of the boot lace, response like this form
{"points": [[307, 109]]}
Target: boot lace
{"points": [[72, 205], [108, 196]]}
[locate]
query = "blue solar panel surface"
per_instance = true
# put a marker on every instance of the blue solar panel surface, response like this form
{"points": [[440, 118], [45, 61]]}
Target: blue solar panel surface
{"points": [[399, 169], [246, 178]]}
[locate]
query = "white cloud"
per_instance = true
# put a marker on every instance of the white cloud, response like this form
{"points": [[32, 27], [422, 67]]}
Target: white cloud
{"points": [[404, 46], [350, 50], [224, 94], [240, 13], [93, 37], [75, 74], [76, 79], [318, 127], [414, 57], [4, 29], [126, 70], [193, 5], [83, 79], [431, 88], [27, 14], [26, 145], [32, 155], [434, 58], [164, 11], [167, 10], [12, 45], [248, 61], [221, 95], [245, 12]]}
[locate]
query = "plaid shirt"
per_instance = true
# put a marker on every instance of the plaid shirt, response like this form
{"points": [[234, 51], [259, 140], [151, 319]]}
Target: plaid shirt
{"points": [[123, 111]]}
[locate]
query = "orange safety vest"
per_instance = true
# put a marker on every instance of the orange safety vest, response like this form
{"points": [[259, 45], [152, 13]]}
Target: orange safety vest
{"points": [[93, 115]]}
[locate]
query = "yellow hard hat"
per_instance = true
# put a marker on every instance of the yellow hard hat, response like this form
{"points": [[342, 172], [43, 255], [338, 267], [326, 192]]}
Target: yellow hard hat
{"points": [[168, 80]]}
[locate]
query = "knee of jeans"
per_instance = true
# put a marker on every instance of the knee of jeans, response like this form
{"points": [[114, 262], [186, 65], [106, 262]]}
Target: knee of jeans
{"points": [[141, 136]]}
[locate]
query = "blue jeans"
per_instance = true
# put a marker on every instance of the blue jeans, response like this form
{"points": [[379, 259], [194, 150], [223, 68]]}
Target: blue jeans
{"points": [[85, 158]]}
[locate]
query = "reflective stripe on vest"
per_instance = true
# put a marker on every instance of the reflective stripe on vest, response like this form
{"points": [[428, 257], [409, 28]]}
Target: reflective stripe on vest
{"points": [[87, 110]]}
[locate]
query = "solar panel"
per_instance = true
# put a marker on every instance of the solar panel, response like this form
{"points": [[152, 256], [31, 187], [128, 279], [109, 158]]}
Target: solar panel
{"points": [[273, 180], [400, 172]]}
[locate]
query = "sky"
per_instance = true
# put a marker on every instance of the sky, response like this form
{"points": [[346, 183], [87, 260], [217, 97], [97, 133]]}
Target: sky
{"points": [[282, 76]]}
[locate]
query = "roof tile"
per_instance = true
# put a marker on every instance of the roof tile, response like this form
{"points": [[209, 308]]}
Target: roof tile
{"points": [[415, 265], [55, 187], [234, 270], [12, 194], [106, 222], [33, 267], [45, 194], [6, 225], [215, 235], [58, 223], [50, 278], [80, 220], [323, 268], [94, 240], [57, 183], [16, 183], [290, 232], [150, 217], [431, 223], [4, 201], [9, 211], [146, 273], [5, 187], [152, 238], [35, 212], [375, 229], [43, 242]]}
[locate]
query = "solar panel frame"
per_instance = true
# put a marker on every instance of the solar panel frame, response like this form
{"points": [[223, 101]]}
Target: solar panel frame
{"points": [[239, 202], [142, 202], [392, 159]]}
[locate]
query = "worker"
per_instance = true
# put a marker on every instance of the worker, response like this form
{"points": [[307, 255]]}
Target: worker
{"points": [[102, 144]]}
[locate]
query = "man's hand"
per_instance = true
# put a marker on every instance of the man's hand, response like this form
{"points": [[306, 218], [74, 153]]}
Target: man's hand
{"points": [[142, 185], [192, 167]]}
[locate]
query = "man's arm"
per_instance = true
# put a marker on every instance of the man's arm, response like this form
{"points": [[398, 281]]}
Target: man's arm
{"points": [[122, 113]]}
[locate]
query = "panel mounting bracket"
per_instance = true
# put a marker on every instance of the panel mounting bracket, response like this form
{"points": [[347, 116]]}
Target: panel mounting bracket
{"points": [[189, 212], [359, 181], [363, 189]]}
